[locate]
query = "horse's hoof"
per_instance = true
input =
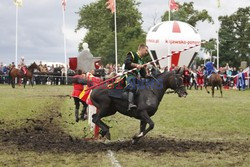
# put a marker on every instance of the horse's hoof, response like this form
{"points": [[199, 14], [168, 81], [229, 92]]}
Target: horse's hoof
{"points": [[105, 134], [135, 140], [108, 136]]}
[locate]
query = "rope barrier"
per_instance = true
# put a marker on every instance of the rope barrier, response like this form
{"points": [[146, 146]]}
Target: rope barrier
{"points": [[151, 62]]}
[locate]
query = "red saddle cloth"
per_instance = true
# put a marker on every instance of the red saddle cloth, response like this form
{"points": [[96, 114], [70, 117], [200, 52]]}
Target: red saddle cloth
{"points": [[24, 69], [85, 94]]}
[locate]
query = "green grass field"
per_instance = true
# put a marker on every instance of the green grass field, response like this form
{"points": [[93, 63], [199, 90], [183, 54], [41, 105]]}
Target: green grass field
{"points": [[37, 128]]}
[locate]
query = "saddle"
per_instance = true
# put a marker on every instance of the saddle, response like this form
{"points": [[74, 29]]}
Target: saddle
{"points": [[117, 88], [118, 93], [121, 92], [118, 83]]}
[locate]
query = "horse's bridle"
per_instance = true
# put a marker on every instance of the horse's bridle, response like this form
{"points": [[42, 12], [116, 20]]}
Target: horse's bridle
{"points": [[177, 83]]}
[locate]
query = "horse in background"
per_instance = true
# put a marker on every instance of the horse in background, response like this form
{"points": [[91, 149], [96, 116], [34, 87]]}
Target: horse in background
{"points": [[19, 74], [214, 81]]}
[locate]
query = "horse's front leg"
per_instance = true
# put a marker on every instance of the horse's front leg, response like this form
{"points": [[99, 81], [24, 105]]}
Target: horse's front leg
{"points": [[142, 129], [206, 88], [32, 81], [24, 81], [19, 80], [13, 82], [206, 84], [145, 119]]}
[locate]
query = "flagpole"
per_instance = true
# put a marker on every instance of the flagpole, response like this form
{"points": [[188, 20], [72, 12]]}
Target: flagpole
{"points": [[116, 70], [169, 10], [16, 34], [64, 42], [218, 52], [170, 58], [217, 40]]}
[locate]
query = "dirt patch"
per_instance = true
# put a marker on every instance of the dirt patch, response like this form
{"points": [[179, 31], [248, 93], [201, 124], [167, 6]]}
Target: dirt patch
{"points": [[46, 135]]}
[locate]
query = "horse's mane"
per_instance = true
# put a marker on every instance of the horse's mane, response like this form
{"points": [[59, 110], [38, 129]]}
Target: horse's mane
{"points": [[160, 75], [32, 66], [164, 73]]}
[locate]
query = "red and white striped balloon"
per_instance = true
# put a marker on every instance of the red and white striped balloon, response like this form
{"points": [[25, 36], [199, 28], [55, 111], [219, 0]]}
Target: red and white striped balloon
{"points": [[173, 36]]}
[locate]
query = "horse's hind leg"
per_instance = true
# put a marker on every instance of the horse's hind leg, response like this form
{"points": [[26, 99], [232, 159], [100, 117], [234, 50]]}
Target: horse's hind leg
{"points": [[105, 129], [212, 91], [221, 91]]}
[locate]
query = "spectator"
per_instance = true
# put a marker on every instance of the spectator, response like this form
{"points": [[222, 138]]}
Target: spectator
{"points": [[241, 84], [193, 79], [186, 77], [1, 67], [234, 78], [63, 75], [200, 78], [57, 72], [78, 88]]}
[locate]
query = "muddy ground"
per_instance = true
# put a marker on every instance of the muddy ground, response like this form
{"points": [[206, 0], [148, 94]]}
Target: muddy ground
{"points": [[44, 134]]}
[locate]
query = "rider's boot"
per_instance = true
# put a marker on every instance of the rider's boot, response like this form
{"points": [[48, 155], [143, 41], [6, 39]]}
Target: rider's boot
{"points": [[77, 114], [131, 105], [83, 114]]}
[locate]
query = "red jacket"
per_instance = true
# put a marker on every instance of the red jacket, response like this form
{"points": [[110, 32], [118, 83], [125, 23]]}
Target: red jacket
{"points": [[77, 87]]}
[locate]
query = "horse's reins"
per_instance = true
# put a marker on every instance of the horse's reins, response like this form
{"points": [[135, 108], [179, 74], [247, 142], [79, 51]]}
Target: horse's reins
{"points": [[151, 62]]}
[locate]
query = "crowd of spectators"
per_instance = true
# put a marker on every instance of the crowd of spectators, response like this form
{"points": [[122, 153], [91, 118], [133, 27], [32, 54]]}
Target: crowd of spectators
{"points": [[55, 74], [195, 77]]}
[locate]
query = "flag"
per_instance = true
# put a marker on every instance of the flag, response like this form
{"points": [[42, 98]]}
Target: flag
{"points": [[64, 4], [218, 3], [73, 63], [173, 5], [18, 3], [111, 5]]}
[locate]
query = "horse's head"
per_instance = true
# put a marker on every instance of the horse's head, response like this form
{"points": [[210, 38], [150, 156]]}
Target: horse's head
{"points": [[34, 66], [176, 83]]}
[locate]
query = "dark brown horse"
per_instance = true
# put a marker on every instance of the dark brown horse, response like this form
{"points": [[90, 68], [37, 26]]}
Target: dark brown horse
{"points": [[214, 81], [148, 98], [15, 73]]}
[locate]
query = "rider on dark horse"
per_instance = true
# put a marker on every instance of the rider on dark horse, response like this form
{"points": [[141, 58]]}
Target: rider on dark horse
{"points": [[209, 69], [134, 60]]}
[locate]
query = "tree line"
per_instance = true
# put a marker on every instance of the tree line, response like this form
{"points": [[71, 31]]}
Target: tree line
{"points": [[234, 32]]}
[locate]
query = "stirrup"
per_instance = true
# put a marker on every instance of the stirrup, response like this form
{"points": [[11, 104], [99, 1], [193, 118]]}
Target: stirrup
{"points": [[132, 107]]}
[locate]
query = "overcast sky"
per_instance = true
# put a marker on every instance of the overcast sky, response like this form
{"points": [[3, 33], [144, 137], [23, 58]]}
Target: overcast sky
{"points": [[40, 25]]}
